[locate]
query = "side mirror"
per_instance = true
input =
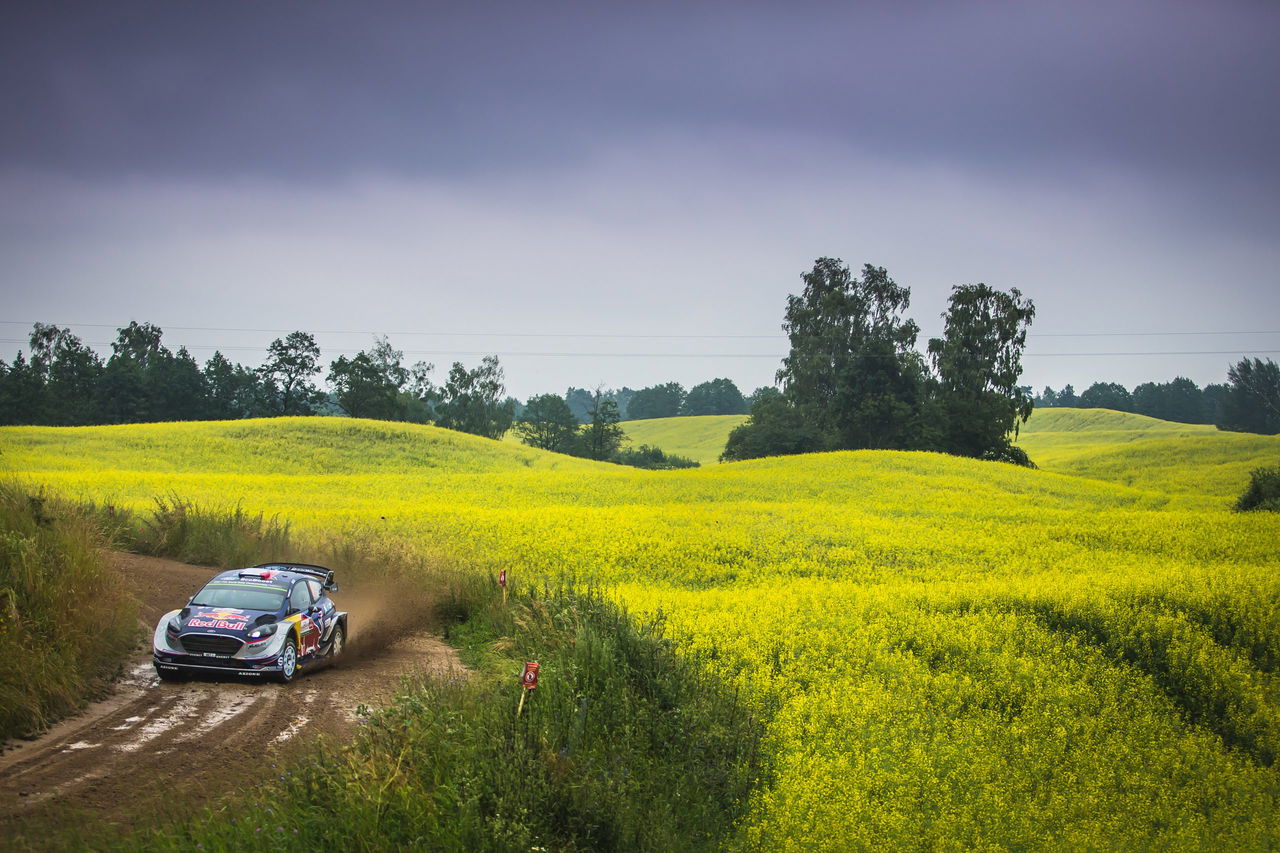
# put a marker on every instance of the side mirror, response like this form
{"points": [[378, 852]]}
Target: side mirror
{"points": [[331, 586]]}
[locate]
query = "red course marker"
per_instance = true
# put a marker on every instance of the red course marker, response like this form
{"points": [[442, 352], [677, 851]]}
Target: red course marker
{"points": [[530, 677]]}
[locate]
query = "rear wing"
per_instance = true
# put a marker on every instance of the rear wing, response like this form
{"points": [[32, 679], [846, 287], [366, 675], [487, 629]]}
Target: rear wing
{"points": [[325, 575]]}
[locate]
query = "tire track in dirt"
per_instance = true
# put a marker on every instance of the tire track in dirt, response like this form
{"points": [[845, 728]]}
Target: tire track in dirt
{"points": [[154, 742]]}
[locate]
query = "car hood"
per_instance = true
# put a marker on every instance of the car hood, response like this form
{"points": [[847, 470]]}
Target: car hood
{"points": [[222, 620]]}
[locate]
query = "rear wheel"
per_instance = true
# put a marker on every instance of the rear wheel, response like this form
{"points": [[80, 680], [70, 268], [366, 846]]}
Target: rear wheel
{"points": [[338, 641], [288, 662]]}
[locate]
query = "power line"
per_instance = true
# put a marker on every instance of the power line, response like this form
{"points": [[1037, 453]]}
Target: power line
{"points": [[776, 356], [620, 336]]}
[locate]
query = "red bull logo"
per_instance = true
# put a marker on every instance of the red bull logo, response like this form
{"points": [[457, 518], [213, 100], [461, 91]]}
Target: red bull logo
{"points": [[227, 618]]}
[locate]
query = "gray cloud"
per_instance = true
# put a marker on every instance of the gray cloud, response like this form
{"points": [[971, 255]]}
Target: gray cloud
{"points": [[639, 169]]}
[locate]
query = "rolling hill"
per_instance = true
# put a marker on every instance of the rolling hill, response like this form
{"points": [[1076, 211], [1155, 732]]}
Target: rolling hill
{"points": [[949, 652], [699, 437]]}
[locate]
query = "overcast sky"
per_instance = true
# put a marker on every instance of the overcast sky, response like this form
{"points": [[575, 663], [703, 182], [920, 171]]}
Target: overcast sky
{"points": [[625, 194]]}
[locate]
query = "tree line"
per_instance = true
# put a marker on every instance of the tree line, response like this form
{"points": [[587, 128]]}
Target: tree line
{"points": [[64, 382], [1248, 402], [665, 400]]}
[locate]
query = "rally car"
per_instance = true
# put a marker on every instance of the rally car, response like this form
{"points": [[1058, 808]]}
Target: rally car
{"points": [[268, 621]]}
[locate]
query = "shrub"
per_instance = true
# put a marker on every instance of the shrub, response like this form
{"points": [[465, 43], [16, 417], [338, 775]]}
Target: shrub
{"points": [[1263, 491], [653, 458], [186, 531]]}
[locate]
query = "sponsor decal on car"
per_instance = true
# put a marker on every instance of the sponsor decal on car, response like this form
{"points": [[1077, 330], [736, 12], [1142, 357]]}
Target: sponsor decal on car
{"points": [[228, 619]]}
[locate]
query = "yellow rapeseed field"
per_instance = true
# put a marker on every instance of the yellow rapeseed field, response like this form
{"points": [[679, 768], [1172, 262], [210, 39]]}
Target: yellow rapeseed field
{"points": [[953, 654]]}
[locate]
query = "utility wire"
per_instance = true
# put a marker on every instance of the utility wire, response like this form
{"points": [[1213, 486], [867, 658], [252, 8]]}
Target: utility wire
{"points": [[605, 335], [777, 356]]}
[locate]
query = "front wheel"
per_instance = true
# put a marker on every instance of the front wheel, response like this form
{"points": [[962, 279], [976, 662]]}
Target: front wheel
{"points": [[288, 662]]}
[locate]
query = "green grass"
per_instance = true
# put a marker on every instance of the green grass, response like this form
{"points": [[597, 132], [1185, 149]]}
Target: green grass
{"points": [[66, 621], [1187, 460], [700, 438]]}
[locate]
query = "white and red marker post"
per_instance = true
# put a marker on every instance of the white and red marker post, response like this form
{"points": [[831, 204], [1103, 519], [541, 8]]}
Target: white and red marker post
{"points": [[528, 681]]}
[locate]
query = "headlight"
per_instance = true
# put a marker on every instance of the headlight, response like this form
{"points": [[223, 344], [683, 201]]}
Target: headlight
{"points": [[172, 628], [260, 634]]}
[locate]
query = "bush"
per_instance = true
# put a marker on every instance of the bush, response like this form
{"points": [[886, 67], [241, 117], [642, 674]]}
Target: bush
{"points": [[652, 458], [1263, 491]]}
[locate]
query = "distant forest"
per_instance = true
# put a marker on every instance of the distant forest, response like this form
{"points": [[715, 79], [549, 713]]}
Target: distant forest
{"points": [[63, 382], [1248, 402]]}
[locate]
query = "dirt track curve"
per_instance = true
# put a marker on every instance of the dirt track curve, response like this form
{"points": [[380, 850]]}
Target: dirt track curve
{"points": [[152, 743]]}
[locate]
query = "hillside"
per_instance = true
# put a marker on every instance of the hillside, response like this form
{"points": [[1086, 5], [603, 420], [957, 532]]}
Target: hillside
{"points": [[1146, 453], [949, 652], [292, 446], [700, 437], [1187, 460]]}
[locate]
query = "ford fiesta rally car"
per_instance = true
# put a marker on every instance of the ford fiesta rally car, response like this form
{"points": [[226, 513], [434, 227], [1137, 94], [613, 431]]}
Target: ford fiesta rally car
{"points": [[271, 620]]}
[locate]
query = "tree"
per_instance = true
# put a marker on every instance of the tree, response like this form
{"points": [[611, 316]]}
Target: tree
{"points": [[368, 385], [1048, 398], [760, 393], [1106, 395], [234, 390], [1180, 400], [978, 361], [138, 342], [717, 397], [1252, 400], [472, 400], [122, 393], [420, 397], [852, 371], [775, 428], [548, 423], [1212, 395], [1067, 397], [176, 388], [21, 393], [69, 371], [602, 436], [656, 401], [287, 373]]}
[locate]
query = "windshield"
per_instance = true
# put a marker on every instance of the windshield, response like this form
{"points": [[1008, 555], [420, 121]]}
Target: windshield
{"points": [[241, 596]]}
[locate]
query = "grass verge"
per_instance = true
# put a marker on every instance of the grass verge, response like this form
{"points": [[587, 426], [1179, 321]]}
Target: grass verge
{"points": [[66, 620]]}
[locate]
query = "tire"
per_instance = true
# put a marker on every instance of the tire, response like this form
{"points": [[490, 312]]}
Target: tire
{"points": [[337, 642], [288, 661]]}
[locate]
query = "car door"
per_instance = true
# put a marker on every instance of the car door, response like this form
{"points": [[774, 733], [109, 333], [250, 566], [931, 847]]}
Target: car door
{"points": [[301, 601], [324, 610]]}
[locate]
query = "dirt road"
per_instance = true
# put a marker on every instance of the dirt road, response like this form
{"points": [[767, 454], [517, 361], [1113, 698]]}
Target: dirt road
{"points": [[152, 743]]}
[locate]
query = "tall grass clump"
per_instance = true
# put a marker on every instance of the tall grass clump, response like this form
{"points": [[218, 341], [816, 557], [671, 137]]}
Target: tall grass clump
{"points": [[1263, 491], [624, 745], [227, 538], [66, 621]]}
